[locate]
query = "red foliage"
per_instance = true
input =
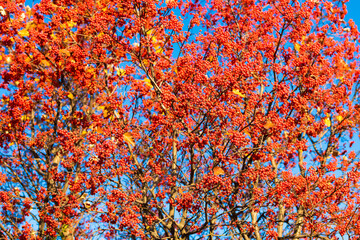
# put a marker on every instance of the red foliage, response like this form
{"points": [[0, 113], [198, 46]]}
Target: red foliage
{"points": [[178, 120]]}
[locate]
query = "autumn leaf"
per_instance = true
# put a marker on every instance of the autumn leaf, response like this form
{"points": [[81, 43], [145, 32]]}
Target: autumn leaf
{"points": [[327, 122], [2, 11], [335, 153], [106, 113], [120, 72], [45, 63], [268, 124], [71, 24], [28, 59], [65, 52], [210, 58], [29, 25], [129, 139], [99, 130], [159, 50], [237, 92], [297, 47], [339, 118], [218, 171], [23, 33], [70, 95], [148, 82]]}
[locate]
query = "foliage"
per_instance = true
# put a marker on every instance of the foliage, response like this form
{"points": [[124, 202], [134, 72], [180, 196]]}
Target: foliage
{"points": [[150, 119]]}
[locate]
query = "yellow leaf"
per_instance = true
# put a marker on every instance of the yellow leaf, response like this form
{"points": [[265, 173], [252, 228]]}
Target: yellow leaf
{"points": [[129, 139], [71, 24], [8, 60], [12, 143], [28, 25], [65, 51], [23, 33], [27, 59], [159, 50], [237, 92], [83, 133], [45, 63], [327, 122], [297, 47], [339, 118], [148, 82], [120, 72], [70, 95], [218, 171], [268, 124]]}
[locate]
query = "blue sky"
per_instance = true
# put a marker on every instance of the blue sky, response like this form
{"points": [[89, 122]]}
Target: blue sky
{"points": [[353, 7]]}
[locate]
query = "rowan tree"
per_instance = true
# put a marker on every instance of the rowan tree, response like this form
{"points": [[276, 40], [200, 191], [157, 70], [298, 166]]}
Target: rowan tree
{"points": [[152, 119]]}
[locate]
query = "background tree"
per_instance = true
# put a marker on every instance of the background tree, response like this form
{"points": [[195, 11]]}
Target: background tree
{"points": [[149, 119]]}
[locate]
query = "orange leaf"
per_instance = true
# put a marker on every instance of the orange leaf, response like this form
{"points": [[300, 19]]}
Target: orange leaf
{"points": [[268, 124], [129, 139], [45, 63], [65, 51], [218, 171], [99, 130], [106, 113]]}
